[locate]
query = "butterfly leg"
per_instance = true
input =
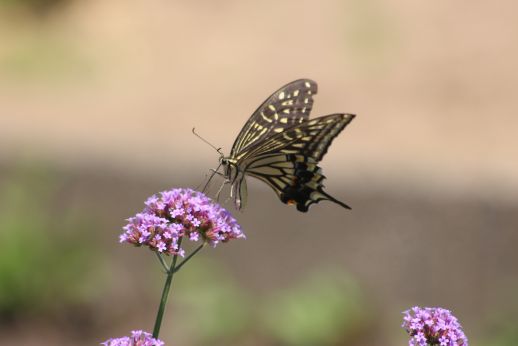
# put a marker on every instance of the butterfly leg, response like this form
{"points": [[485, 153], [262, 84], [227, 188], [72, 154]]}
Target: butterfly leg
{"points": [[226, 181], [214, 172]]}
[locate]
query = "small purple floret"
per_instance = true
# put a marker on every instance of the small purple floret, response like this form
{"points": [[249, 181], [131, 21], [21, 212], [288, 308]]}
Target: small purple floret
{"points": [[180, 213], [137, 338], [433, 327]]}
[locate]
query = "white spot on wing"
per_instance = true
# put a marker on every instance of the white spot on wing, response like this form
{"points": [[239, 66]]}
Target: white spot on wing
{"points": [[266, 118]]}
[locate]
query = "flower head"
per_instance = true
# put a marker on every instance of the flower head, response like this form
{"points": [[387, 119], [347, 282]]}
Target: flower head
{"points": [[179, 213], [137, 338], [433, 326]]}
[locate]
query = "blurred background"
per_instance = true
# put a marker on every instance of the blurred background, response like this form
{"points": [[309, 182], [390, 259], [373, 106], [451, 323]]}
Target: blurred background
{"points": [[97, 102]]}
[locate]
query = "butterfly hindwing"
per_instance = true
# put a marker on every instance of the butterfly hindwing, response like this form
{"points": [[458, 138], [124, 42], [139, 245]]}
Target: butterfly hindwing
{"points": [[296, 179], [288, 161], [288, 106]]}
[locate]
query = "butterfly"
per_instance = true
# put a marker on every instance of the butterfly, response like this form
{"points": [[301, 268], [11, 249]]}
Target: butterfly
{"points": [[281, 146]]}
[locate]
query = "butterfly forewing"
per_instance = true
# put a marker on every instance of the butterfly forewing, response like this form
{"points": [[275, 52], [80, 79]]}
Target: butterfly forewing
{"points": [[288, 106]]}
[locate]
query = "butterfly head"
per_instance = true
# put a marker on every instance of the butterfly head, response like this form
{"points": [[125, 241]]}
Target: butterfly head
{"points": [[230, 168], [224, 161], [225, 164]]}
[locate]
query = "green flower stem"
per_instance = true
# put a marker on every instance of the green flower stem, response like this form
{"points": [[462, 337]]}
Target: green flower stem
{"points": [[177, 268], [170, 271], [165, 294], [162, 262]]}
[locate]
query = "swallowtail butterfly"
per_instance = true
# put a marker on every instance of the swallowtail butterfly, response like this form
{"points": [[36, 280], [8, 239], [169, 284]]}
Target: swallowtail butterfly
{"points": [[281, 146]]}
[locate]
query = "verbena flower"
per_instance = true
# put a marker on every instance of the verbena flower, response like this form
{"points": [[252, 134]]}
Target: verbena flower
{"points": [[180, 213], [137, 338], [433, 326]]}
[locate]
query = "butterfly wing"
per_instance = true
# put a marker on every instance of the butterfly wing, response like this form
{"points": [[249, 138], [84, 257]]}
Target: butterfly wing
{"points": [[311, 138], [294, 178], [288, 161], [288, 106]]}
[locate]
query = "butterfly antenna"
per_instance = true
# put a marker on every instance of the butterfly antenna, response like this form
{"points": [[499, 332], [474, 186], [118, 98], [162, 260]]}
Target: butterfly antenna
{"points": [[206, 141]]}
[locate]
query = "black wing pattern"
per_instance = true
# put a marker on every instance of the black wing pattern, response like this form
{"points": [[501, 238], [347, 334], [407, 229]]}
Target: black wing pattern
{"points": [[288, 161], [288, 106]]}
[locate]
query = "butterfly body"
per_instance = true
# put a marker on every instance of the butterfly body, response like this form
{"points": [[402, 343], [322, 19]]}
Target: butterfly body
{"points": [[281, 146]]}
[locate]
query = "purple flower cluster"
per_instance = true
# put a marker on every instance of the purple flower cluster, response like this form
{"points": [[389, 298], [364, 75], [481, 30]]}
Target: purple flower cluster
{"points": [[433, 326], [179, 213], [137, 338]]}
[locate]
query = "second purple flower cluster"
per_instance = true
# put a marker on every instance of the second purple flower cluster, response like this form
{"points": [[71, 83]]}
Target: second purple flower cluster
{"points": [[137, 338], [433, 326]]}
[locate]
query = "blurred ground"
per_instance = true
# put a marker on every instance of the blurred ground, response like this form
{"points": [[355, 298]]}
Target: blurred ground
{"points": [[106, 93]]}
